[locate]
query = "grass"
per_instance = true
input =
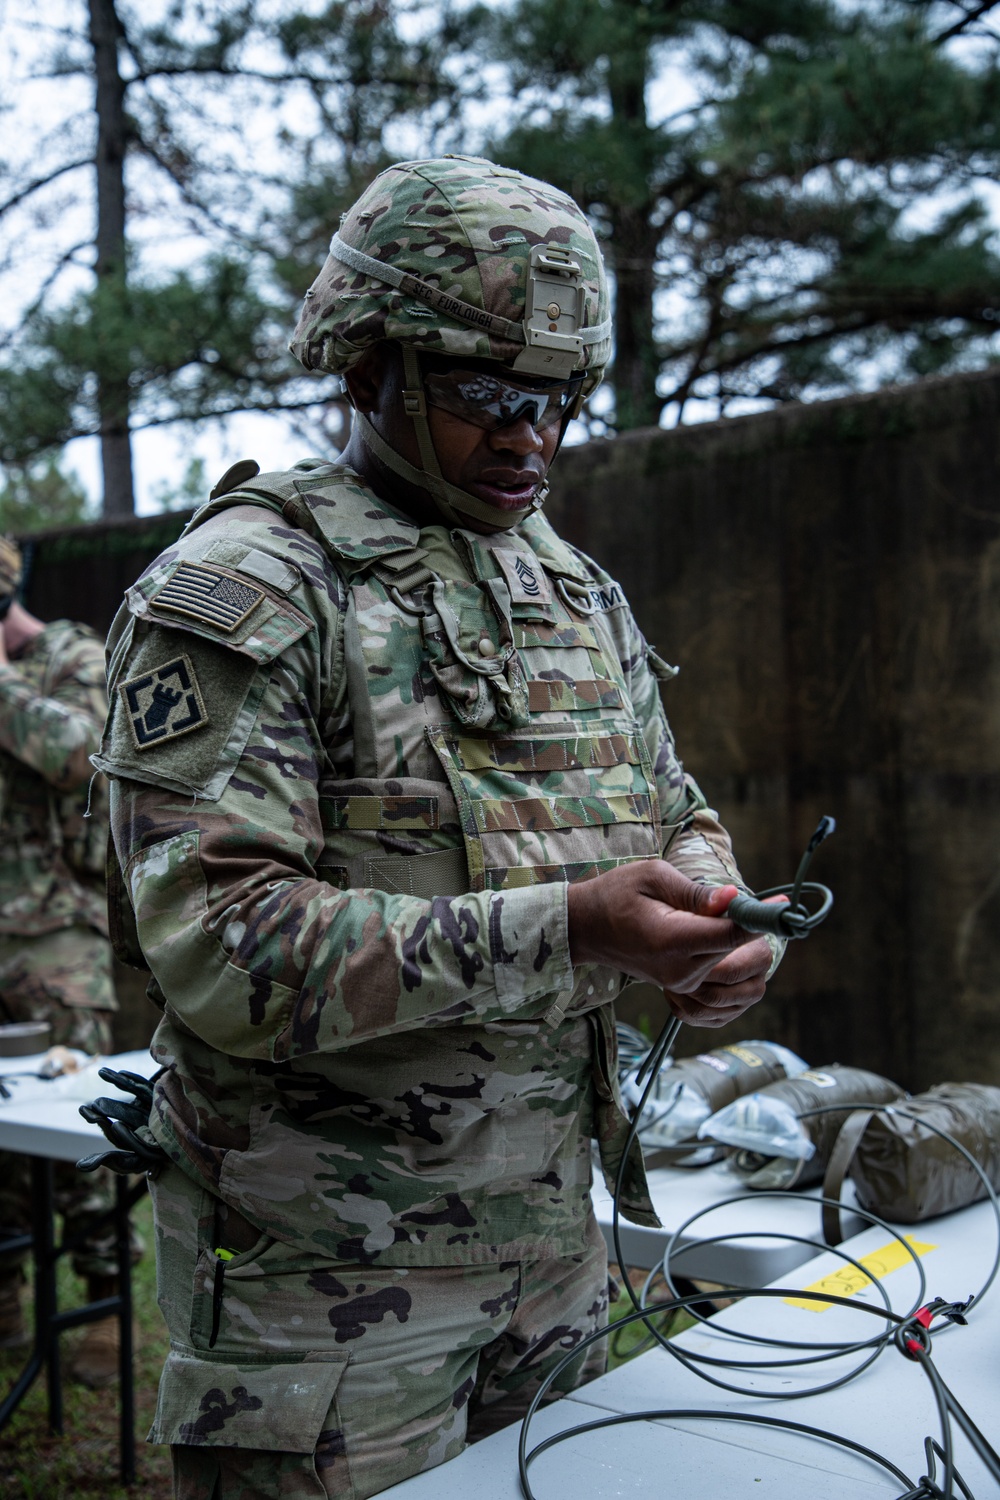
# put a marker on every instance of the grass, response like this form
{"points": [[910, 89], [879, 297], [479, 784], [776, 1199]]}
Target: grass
{"points": [[625, 1343], [82, 1464]]}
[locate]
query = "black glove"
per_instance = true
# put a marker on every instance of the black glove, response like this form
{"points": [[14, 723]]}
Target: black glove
{"points": [[125, 1122]]}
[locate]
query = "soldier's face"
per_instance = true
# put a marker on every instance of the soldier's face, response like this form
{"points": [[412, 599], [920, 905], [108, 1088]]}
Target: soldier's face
{"points": [[503, 465]]}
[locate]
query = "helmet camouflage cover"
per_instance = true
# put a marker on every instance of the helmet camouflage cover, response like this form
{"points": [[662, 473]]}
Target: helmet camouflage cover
{"points": [[468, 244]]}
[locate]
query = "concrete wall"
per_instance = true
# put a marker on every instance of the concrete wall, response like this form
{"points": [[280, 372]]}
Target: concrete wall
{"points": [[828, 579]]}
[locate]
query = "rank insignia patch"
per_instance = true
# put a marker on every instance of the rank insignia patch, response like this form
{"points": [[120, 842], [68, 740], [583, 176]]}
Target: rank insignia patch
{"points": [[203, 593], [164, 703], [525, 579]]}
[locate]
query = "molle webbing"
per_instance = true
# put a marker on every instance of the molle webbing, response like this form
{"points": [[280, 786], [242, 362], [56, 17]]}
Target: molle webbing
{"points": [[367, 813], [443, 873]]}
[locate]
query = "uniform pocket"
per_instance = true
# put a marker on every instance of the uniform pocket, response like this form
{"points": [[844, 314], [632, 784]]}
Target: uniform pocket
{"points": [[550, 805], [276, 1406]]}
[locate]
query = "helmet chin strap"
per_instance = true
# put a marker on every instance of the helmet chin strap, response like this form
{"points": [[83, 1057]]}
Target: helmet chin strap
{"points": [[457, 506]]}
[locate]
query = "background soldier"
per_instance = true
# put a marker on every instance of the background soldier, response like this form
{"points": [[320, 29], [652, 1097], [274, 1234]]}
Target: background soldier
{"points": [[391, 786], [55, 959]]}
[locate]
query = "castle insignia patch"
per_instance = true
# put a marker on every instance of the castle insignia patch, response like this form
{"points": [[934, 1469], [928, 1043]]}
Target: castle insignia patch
{"points": [[164, 703]]}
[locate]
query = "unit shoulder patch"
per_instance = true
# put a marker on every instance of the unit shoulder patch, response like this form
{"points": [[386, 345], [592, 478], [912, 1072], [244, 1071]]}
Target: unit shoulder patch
{"points": [[164, 703], [203, 592]]}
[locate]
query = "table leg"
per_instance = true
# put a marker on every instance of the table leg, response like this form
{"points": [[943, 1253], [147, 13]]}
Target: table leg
{"points": [[45, 1348], [46, 1291], [123, 1203], [50, 1322]]}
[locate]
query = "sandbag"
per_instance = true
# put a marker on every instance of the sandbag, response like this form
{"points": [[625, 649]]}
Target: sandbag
{"points": [[903, 1171], [690, 1089], [775, 1146]]}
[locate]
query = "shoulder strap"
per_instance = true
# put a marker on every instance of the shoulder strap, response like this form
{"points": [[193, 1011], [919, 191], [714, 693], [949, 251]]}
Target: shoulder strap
{"points": [[331, 504], [844, 1149], [556, 556]]}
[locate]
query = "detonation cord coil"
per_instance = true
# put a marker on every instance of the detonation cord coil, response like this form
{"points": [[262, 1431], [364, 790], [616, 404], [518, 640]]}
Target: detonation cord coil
{"points": [[910, 1332], [791, 919]]}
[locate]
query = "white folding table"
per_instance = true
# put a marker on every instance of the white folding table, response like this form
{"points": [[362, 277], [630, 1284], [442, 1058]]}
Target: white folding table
{"points": [[888, 1408], [746, 1260], [41, 1119]]}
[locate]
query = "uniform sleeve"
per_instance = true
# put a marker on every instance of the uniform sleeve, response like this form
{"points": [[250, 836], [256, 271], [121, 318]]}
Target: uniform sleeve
{"points": [[253, 951], [56, 734], [693, 839]]}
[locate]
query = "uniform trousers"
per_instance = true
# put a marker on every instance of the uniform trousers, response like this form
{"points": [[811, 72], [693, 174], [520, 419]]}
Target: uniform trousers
{"points": [[296, 1377]]}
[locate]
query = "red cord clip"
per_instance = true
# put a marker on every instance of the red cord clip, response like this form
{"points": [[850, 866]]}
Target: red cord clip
{"points": [[924, 1316]]}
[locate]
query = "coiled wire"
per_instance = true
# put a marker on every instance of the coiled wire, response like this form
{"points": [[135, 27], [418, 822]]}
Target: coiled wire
{"points": [[906, 1332]]}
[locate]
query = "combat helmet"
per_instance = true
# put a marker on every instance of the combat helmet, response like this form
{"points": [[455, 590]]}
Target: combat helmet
{"points": [[461, 257]]}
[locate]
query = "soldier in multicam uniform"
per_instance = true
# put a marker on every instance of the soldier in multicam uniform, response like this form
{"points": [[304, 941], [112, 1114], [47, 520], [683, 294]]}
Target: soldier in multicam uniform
{"points": [[55, 958], [391, 787]]}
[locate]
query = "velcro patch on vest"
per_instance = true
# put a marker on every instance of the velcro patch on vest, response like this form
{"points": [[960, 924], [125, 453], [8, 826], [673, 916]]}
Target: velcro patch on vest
{"points": [[559, 696], [164, 703], [525, 579], [204, 593]]}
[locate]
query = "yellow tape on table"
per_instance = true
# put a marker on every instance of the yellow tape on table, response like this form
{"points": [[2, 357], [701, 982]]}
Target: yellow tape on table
{"points": [[848, 1280]]}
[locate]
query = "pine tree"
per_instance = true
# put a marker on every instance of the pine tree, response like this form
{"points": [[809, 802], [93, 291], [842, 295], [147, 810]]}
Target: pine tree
{"points": [[230, 128], [43, 494], [806, 222]]}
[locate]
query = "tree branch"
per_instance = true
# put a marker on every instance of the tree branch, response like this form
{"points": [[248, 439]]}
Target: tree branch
{"points": [[323, 81], [188, 196], [969, 17], [51, 278], [41, 182]]}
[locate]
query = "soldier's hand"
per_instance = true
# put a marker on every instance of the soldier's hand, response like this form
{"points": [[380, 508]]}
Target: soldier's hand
{"points": [[650, 921], [733, 985]]}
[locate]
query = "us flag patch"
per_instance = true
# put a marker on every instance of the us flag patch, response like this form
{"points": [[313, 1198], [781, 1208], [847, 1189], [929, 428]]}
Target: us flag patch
{"points": [[203, 593]]}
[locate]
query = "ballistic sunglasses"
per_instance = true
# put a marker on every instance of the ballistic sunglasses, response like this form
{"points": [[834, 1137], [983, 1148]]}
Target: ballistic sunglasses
{"points": [[491, 403]]}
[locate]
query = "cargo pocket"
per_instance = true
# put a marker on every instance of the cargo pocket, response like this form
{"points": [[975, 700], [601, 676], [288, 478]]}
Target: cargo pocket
{"points": [[275, 1406]]}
